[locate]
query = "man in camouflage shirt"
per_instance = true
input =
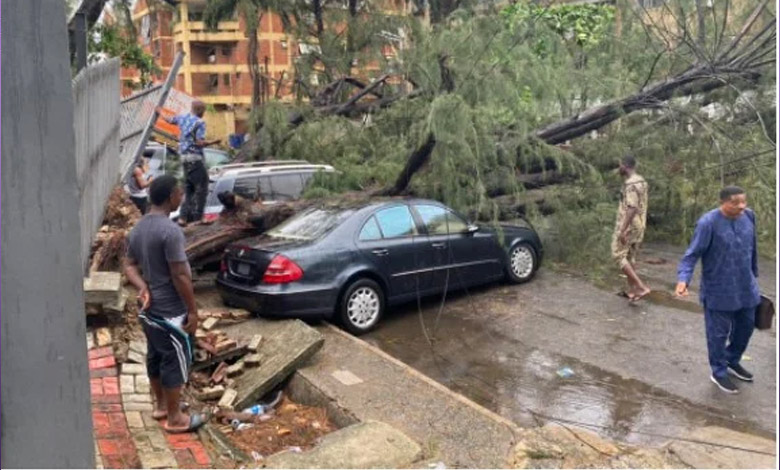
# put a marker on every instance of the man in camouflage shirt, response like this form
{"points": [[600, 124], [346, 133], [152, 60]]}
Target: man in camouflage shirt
{"points": [[630, 226]]}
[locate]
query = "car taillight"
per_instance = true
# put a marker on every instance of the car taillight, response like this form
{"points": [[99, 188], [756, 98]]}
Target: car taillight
{"points": [[210, 217], [282, 270]]}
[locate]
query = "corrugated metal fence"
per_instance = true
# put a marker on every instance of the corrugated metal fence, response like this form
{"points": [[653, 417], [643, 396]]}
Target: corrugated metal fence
{"points": [[96, 125]]}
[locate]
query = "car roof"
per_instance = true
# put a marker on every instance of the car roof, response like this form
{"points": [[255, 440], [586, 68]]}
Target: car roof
{"points": [[271, 169]]}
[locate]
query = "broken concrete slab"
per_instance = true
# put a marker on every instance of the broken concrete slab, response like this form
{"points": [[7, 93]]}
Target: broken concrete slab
{"points": [[727, 452], [102, 287], [371, 444], [291, 344]]}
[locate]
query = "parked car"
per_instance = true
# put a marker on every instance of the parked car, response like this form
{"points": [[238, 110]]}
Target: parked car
{"points": [[165, 160], [270, 182], [351, 263]]}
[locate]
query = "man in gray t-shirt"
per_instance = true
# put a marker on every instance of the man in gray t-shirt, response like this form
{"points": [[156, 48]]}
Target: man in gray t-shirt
{"points": [[157, 266]]}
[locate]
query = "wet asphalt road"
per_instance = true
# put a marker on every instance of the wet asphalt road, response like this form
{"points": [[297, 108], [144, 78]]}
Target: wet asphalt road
{"points": [[639, 374]]}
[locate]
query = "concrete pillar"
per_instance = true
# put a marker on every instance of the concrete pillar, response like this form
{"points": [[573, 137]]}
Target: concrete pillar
{"points": [[46, 417]]}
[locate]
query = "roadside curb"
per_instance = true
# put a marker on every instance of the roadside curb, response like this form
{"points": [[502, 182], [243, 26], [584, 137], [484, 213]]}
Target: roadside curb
{"points": [[514, 428]]}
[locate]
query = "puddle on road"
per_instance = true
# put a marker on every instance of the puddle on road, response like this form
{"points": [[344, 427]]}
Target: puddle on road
{"points": [[522, 383]]}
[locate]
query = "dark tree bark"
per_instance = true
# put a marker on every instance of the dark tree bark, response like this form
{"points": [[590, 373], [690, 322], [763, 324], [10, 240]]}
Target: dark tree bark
{"points": [[416, 161]]}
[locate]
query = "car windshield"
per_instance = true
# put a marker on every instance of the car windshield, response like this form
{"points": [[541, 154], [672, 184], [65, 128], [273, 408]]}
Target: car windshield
{"points": [[310, 224]]}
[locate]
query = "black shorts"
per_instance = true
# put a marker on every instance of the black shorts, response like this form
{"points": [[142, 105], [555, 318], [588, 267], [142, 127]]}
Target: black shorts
{"points": [[169, 354]]}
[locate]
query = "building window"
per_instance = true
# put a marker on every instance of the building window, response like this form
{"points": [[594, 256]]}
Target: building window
{"points": [[226, 51], [226, 79], [213, 82]]}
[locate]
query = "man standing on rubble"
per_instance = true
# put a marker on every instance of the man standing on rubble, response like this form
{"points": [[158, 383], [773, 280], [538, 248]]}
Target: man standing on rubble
{"points": [[192, 135], [157, 266], [630, 226]]}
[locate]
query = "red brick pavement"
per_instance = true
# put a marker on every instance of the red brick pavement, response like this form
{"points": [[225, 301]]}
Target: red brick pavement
{"points": [[113, 438]]}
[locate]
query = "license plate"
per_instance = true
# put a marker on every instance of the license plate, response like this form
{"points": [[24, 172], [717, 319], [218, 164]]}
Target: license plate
{"points": [[243, 269]]}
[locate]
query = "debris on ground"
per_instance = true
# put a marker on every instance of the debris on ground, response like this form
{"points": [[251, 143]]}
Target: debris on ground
{"points": [[109, 245], [291, 427]]}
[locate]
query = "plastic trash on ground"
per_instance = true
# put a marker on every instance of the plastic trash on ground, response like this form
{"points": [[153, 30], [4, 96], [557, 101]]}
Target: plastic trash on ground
{"points": [[565, 372]]}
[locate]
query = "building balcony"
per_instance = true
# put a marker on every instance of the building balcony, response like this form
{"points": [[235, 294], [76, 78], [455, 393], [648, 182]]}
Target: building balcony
{"points": [[227, 31]]}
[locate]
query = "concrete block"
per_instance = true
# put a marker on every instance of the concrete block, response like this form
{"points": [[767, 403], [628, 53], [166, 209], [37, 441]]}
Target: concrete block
{"points": [[136, 357], [102, 287], [126, 384], [228, 399], [240, 314], [137, 398], [138, 346], [370, 444], [103, 337], [209, 323], [211, 393], [157, 459], [138, 406], [142, 384], [134, 420], [236, 369], [252, 360], [254, 343], [226, 345], [135, 369]]}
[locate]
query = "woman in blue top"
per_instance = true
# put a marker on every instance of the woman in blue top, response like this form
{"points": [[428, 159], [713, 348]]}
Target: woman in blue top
{"points": [[725, 240]]}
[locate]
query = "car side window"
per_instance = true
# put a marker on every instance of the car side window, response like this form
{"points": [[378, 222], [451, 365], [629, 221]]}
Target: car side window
{"points": [[396, 222], [265, 189], [246, 187], [440, 221], [370, 231], [287, 187]]}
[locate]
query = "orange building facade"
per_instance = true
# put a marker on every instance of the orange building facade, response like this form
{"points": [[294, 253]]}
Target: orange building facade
{"points": [[215, 66]]}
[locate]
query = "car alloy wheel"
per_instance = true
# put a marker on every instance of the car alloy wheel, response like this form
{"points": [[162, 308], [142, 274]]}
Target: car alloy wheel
{"points": [[363, 307], [521, 262]]}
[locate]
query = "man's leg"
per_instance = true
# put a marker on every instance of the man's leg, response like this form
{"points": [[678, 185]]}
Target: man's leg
{"points": [[189, 190], [153, 366], [200, 190], [744, 322], [177, 419], [629, 269], [718, 324], [619, 255], [160, 410]]}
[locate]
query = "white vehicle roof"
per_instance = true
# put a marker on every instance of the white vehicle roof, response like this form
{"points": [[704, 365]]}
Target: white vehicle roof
{"points": [[277, 168]]}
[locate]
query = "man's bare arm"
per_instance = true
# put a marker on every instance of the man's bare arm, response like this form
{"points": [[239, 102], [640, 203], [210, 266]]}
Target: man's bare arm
{"points": [[133, 273], [630, 214]]}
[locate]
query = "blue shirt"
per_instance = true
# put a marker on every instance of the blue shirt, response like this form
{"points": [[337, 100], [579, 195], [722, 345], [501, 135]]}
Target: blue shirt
{"points": [[729, 260], [191, 128]]}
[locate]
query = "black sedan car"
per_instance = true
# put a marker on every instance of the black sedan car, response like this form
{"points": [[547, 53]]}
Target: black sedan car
{"points": [[354, 262]]}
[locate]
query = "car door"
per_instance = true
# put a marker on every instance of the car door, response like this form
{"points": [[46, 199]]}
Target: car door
{"points": [[461, 257], [391, 241]]}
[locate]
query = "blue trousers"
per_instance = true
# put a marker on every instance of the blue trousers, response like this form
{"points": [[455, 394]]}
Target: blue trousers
{"points": [[728, 334]]}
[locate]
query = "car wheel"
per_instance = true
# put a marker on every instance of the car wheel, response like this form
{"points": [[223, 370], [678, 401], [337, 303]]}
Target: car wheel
{"points": [[362, 306], [521, 265]]}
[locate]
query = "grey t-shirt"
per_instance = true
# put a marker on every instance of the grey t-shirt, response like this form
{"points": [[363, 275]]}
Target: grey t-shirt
{"points": [[154, 242]]}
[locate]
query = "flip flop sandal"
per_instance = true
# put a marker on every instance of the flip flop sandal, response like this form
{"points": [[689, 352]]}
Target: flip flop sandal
{"points": [[637, 298], [196, 421], [182, 406]]}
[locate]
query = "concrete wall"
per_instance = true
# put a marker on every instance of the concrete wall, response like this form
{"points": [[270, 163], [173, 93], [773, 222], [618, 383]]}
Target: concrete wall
{"points": [[46, 419], [96, 125]]}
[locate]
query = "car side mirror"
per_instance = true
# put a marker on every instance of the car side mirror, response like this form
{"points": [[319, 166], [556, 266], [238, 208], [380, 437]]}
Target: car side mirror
{"points": [[472, 229]]}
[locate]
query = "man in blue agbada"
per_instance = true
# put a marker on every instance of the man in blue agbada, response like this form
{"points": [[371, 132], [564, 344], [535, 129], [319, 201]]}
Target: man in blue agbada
{"points": [[725, 240]]}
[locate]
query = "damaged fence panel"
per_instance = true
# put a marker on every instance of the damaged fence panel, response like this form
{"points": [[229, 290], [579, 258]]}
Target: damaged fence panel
{"points": [[96, 126]]}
